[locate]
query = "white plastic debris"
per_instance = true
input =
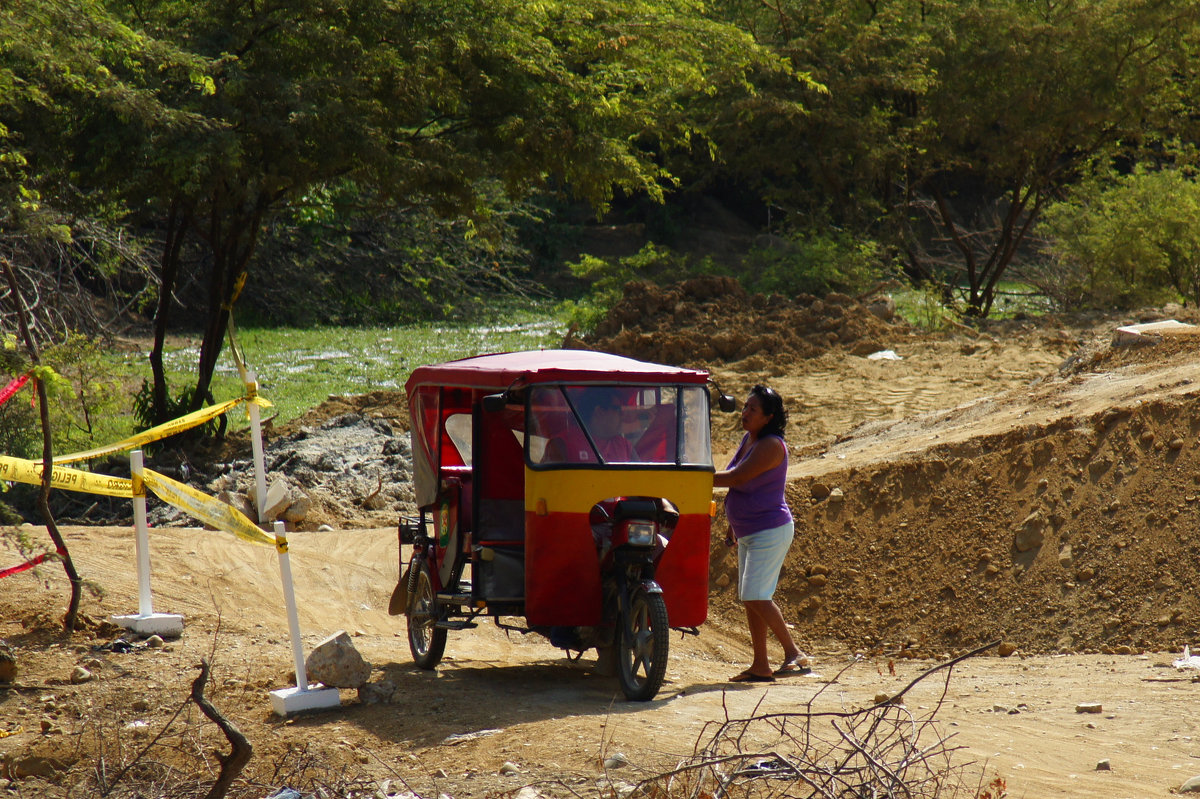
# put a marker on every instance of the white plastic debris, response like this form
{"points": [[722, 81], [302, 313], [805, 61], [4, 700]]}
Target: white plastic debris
{"points": [[884, 355], [1188, 661]]}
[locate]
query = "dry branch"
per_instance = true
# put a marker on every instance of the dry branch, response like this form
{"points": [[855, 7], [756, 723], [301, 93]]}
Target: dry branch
{"points": [[878, 751], [239, 755]]}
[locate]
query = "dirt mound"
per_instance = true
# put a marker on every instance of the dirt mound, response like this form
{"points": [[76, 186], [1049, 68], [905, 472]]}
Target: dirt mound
{"points": [[1061, 517], [714, 320]]}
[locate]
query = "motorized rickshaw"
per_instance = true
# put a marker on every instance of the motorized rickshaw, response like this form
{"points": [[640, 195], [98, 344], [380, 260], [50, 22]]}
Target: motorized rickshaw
{"points": [[568, 487]]}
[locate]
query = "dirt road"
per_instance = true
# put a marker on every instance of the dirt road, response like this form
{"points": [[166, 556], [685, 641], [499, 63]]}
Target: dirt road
{"points": [[1096, 464]]}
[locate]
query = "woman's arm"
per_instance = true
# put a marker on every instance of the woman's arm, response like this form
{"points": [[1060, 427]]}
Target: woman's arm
{"points": [[767, 453]]}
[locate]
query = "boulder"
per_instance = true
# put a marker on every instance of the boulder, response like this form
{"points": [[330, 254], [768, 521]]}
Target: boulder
{"points": [[337, 664]]}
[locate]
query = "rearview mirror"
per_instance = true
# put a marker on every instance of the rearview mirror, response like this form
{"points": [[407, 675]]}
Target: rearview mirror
{"points": [[494, 403], [726, 402]]}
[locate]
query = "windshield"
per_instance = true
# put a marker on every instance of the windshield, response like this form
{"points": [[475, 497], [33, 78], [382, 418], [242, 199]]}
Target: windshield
{"points": [[619, 424]]}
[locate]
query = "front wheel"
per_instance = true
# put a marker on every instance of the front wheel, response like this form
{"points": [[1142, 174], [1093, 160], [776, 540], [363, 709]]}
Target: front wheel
{"points": [[426, 642], [643, 646]]}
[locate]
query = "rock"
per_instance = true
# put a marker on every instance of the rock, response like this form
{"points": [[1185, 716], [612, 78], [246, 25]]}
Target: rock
{"points": [[528, 792], [509, 768], [34, 766], [616, 760], [440, 774], [154, 642], [1104, 765], [1085, 574], [1064, 556], [279, 497], [1030, 535], [1006, 648], [298, 510], [723, 581], [1089, 707], [1191, 786], [8, 663], [325, 528], [883, 307], [817, 581], [139, 706], [81, 675], [836, 496], [820, 491], [376, 693], [336, 663]]}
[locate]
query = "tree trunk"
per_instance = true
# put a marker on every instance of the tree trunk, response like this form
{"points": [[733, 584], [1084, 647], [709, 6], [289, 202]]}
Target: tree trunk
{"points": [[43, 501], [240, 748], [232, 249], [177, 225]]}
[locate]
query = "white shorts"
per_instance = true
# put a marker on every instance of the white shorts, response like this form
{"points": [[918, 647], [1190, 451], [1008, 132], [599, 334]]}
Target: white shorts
{"points": [[760, 559]]}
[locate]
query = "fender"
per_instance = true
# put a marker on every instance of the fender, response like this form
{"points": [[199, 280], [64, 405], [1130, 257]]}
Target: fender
{"points": [[650, 587]]}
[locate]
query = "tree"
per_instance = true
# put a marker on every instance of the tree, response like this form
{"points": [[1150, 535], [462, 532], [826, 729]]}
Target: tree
{"points": [[416, 102], [1028, 97], [948, 125], [1123, 241]]}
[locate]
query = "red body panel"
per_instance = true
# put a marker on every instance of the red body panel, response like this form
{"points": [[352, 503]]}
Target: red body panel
{"points": [[560, 552]]}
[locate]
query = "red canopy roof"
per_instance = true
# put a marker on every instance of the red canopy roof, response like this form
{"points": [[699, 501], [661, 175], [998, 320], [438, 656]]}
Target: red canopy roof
{"points": [[499, 371]]}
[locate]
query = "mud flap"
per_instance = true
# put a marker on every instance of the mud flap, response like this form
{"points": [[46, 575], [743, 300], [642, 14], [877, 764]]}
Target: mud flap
{"points": [[399, 601]]}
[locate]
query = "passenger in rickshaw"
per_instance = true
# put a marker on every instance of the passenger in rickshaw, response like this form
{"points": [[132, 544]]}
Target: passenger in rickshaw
{"points": [[600, 409]]}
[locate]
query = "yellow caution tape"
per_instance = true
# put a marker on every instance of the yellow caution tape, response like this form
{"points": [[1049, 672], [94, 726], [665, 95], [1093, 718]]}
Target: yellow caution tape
{"points": [[209, 510], [18, 470], [165, 430]]}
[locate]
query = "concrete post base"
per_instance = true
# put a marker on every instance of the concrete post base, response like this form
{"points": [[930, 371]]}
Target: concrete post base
{"points": [[288, 701], [165, 625]]}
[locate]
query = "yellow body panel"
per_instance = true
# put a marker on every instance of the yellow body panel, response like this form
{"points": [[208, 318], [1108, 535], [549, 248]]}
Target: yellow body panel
{"points": [[576, 490]]}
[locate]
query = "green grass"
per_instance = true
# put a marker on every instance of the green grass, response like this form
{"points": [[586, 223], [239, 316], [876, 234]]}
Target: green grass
{"points": [[923, 308], [298, 369]]}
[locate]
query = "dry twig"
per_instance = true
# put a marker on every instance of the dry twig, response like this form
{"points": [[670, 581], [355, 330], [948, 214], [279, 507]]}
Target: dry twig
{"points": [[879, 751]]}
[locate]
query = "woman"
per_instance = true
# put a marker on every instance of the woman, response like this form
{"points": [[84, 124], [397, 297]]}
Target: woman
{"points": [[763, 529]]}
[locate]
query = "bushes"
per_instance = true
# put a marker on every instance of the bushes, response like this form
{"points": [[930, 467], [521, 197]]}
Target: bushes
{"points": [[1123, 242], [810, 262]]}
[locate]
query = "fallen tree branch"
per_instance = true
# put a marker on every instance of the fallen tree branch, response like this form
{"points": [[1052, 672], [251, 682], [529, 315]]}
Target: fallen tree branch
{"points": [[239, 755], [881, 750]]}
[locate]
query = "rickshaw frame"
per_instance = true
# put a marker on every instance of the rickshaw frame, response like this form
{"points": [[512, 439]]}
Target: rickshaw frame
{"points": [[529, 532]]}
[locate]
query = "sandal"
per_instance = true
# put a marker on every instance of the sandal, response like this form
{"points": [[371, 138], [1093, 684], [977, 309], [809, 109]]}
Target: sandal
{"points": [[799, 665], [749, 676]]}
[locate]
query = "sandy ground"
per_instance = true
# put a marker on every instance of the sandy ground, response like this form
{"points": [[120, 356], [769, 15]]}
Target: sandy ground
{"points": [[1015, 717], [922, 566]]}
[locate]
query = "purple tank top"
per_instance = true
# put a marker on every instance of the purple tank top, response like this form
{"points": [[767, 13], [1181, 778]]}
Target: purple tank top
{"points": [[757, 504]]}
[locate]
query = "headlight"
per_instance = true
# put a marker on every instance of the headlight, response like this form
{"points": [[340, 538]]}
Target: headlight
{"points": [[641, 534]]}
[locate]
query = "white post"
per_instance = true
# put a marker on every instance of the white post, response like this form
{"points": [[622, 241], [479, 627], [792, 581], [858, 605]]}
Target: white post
{"points": [[141, 538], [146, 622], [303, 697], [289, 599], [256, 444]]}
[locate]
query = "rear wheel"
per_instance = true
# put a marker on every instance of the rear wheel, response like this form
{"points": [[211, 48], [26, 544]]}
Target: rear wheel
{"points": [[426, 642], [643, 647]]}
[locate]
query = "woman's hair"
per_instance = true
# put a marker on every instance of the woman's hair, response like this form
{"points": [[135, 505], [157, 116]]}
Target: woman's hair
{"points": [[772, 404]]}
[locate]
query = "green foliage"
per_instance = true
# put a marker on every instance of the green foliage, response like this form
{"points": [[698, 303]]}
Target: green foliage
{"points": [[20, 428], [177, 406], [1124, 241], [813, 262], [923, 306], [606, 278], [87, 395], [83, 393], [331, 260]]}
